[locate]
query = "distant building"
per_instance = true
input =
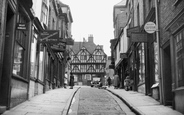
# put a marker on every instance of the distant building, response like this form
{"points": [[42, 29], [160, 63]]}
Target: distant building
{"points": [[88, 61]]}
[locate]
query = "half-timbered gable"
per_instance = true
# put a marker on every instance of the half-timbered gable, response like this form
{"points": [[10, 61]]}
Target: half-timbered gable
{"points": [[87, 61]]}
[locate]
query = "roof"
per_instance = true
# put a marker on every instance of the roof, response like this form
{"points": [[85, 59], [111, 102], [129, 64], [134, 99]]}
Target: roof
{"points": [[90, 46]]}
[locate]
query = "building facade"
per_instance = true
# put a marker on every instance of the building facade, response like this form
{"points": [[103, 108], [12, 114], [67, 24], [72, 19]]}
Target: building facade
{"points": [[32, 62], [16, 25], [153, 59], [88, 61]]}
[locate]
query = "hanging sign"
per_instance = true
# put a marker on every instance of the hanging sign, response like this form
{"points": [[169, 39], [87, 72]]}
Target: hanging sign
{"points": [[58, 47], [139, 37], [49, 36], [150, 27], [133, 29]]}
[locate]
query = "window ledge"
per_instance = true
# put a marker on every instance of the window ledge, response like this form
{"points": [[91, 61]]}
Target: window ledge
{"points": [[20, 78], [179, 89]]}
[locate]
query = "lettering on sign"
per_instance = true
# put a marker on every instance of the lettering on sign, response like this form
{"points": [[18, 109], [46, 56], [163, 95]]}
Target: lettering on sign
{"points": [[49, 36], [150, 27], [21, 26]]}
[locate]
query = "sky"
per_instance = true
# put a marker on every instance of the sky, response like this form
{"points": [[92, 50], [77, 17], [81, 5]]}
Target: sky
{"points": [[93, 17]]}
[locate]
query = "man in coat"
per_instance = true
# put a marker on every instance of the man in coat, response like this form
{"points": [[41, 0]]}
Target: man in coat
{"points": [[71, 81]]}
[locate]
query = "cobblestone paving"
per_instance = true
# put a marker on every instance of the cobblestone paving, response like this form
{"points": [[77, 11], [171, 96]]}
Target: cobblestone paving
{"points": [[94, 101]]}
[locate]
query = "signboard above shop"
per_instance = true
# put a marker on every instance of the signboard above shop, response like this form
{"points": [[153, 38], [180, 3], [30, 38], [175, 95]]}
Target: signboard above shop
{"points": [[49, 36], [58, 47]]}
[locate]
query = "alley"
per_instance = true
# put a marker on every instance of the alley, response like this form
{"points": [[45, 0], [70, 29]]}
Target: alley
{"points": [[94, 101]]}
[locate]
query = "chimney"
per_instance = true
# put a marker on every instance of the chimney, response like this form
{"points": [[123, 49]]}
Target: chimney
{"points": [[90, 38]]}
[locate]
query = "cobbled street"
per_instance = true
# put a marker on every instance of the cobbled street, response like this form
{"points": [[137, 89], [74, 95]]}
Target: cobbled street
{"points": [[94, 101]]}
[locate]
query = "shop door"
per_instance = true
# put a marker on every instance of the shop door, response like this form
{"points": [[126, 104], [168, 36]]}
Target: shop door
{"points": [[167, 78]]}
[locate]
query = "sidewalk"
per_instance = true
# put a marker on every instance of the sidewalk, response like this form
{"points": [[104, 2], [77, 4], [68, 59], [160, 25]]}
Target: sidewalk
{"points": [[142, 104], [53, 102]]}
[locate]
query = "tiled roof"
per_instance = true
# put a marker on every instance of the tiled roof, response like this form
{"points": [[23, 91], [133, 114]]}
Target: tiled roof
{"points": [[90, 46]]}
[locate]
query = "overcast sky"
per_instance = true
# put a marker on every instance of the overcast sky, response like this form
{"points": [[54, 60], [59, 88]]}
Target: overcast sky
{"points": [[93, 17]]}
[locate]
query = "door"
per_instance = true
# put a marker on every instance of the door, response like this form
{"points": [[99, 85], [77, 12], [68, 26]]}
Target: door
{"points": [[167, 78]]}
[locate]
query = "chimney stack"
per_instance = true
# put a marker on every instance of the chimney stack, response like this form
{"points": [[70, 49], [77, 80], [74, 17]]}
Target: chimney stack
{"points": [[90, 38]]}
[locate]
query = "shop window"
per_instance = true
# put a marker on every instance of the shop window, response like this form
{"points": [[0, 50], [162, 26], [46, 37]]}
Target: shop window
{"points": [[141, 64], [20, 48], [33, 59], [179, 47], [18, 60]]}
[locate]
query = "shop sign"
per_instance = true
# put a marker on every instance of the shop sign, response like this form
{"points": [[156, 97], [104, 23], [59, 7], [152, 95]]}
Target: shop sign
{"points": [[123, 55], [133, 29], [21, 26], [58, 47], [139, 37], [49, 36], [150, 27]]}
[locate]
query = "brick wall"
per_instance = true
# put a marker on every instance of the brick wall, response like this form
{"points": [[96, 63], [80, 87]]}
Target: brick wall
{"points": [[167, 13]]}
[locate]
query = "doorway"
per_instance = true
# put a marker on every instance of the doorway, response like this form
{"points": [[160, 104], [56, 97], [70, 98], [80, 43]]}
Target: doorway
{"points": [[167, 76]]}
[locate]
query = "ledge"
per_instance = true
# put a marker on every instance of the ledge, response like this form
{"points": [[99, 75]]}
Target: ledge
{"points": [[179, 89]]}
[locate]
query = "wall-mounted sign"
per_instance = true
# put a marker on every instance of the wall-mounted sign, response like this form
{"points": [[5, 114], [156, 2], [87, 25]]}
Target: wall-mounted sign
{"points": [[150, 27], [21, 26], [133, 29], [49, 36], [139, 37]]}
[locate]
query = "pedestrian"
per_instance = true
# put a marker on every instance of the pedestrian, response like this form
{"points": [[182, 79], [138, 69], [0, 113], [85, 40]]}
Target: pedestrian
{"points": [[116, 81], [65, 80], [128, 82], [71, 81], [109, 81]]}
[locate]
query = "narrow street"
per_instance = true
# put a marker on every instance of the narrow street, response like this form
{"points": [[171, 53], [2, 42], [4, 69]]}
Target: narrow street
{"points": [[94, 101]]}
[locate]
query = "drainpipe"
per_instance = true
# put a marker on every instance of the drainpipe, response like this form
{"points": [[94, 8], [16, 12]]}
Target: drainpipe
{"points": [[159, 51]]}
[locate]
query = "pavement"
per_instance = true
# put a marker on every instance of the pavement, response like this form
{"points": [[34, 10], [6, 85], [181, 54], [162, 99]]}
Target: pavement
{"points": [[58, 101], [53, 102], [142, 104]]}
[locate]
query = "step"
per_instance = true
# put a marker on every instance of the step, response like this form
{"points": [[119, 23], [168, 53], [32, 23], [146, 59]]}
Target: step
{"points": [[2, 109]]}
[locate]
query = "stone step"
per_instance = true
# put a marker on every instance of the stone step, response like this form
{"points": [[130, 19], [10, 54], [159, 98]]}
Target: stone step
{"points": [[2, 109]]}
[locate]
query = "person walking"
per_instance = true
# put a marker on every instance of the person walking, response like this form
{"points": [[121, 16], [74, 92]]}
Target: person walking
{"points": [[128, 82], [109, 81], [65, 80], [71, 81], [116, 81]]}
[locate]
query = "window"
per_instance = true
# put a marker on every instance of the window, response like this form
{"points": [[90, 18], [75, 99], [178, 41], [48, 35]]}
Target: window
{"points": [[179, 47], [83, 68], [18, 60], [44, 13], [34, 64], [141, 64], [83, 57], [20, 48]]}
